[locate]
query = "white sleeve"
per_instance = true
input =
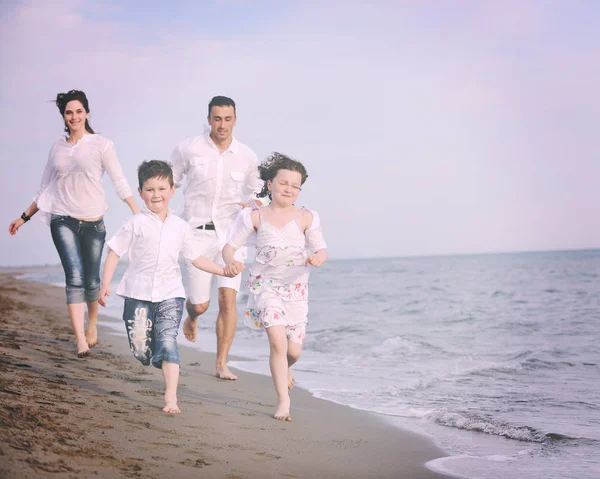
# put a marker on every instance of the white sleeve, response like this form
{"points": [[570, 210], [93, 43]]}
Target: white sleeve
{"points": [[46, 176], [111, 164], [241, 229], [121, 241], [314, 234], [179, 166]]}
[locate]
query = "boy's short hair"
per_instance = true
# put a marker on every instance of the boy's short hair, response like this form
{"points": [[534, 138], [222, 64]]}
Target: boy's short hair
{"points": [[154, 169]]}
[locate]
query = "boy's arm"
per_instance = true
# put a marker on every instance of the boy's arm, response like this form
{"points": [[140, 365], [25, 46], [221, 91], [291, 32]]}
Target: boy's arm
{"points": [[208, 265], [110, 265]]}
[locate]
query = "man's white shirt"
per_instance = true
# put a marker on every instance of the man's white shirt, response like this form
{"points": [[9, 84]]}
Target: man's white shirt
{"points": [[215, 182]]}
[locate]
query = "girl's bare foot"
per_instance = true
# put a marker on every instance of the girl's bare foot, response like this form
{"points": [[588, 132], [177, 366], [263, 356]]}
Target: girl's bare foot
{"points": [[91, 336], [171, 406], [290, 378], [283, 410]]}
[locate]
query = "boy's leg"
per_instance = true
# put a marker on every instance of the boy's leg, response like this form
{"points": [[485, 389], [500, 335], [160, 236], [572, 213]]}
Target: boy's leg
{"points": [[171, 376], [278, 363], [166, 355], [137, 315]]}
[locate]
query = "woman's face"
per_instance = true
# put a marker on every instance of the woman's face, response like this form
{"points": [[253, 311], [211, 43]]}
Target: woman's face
{"points": [[75, 116]]}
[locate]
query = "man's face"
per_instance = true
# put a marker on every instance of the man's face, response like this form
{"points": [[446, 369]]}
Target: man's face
{"points": [[221, 121]]}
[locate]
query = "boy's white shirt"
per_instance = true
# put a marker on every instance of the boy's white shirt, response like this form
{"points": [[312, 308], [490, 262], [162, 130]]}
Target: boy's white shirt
{"points": [[153, 273]]}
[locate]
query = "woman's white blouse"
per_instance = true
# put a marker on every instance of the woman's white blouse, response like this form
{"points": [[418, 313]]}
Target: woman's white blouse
{"points": [[72, 180]]}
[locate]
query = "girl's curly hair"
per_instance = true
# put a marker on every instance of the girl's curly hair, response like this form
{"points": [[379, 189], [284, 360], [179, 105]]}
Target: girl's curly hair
{"points": [[277, 161]]}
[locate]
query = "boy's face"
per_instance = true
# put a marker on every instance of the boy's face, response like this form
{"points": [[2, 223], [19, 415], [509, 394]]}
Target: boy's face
{"points": [[156, 194]]}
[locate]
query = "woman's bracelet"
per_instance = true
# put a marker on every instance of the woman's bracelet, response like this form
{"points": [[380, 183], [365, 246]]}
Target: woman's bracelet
{"points": [[25, 218]]}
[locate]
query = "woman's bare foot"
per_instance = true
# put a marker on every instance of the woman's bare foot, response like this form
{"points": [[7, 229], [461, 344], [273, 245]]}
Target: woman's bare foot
{"points": [[82, 348], [223, 372], [189, 329], [291, 381], [91, 336], [171, 406], [283, 410]]}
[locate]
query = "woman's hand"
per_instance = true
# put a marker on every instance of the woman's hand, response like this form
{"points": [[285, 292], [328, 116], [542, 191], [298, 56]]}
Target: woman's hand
{"points": [[15, 225]]}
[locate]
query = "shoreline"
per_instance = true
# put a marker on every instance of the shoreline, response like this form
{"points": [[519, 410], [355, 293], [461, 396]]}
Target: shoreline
{"points": [[103, 415]]}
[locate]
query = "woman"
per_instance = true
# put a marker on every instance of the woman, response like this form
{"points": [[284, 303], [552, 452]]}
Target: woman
{"points": [[72, 197]]}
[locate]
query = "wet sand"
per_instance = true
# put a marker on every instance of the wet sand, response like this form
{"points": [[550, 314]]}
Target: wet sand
{"points": [[101, 416]]}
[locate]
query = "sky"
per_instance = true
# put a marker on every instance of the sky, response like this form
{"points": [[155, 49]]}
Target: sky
{"points": [[427, 127]]}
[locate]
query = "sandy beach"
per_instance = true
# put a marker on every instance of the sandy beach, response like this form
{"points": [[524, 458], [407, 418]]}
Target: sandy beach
{"points": [[101, 416]]}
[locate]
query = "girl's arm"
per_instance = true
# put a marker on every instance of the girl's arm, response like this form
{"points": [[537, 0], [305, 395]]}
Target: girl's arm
{"points": [[16, 224], [110, 265]]}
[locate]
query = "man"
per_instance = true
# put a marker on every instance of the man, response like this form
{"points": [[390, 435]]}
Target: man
{"points": [[220, 176]]}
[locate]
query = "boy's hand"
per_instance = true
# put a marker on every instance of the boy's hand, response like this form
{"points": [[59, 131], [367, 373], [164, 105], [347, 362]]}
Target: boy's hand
{"points": [[234, 268], [104, 292], [317, 259]]}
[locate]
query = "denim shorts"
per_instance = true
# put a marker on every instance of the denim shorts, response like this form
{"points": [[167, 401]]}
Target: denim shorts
{"points": [[152, 329], [79, 245]]}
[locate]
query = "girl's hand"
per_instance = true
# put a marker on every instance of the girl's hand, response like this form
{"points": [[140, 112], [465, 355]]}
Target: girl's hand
{"points": [[234, 268], [15, 225], [317, 259], [104, 292]]}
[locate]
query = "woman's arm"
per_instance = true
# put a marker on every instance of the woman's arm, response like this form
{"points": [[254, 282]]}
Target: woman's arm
{"points": [[16, 224], [133, 206]]}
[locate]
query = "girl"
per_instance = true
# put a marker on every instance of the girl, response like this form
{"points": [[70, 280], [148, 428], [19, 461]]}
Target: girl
{"points": [[72, 197], [278, 282]]}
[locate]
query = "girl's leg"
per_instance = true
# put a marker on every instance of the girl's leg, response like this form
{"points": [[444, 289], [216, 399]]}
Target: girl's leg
{"points": [[278, 363], [171, 375], [293, 354], [64, 234], [92, 243]]}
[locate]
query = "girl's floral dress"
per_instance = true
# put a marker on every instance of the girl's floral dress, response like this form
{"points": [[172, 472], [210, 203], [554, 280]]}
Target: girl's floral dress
{"points": [[278, 282]]}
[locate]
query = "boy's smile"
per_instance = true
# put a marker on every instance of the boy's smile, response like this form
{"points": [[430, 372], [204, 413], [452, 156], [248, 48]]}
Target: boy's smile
{"points": [[156, 194]]}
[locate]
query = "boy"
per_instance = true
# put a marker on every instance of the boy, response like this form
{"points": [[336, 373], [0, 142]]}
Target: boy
{"points": [[151, 286]]}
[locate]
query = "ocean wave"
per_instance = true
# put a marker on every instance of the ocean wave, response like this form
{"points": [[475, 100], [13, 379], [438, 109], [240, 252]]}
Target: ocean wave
{"points": [[497, 428]]}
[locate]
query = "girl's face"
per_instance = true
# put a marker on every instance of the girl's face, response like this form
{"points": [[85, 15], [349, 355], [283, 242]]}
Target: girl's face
{"points": [[285, 187], [75, 116]]}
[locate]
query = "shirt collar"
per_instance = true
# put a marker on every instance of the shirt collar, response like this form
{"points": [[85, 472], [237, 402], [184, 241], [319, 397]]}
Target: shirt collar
{"points": [[154, 216], [234, 148]]}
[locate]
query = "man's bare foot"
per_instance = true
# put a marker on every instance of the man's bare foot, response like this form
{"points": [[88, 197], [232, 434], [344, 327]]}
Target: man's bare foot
{"points": [[291, 380], [91, 336], [189, 329], [224, 373], [171, 406], [283, 410]]}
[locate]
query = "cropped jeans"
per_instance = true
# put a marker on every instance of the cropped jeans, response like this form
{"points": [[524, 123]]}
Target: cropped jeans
{"points": [[79, 245], [152, 329]]}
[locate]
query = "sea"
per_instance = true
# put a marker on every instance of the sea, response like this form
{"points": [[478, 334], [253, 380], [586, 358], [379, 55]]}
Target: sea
{"points": [[494, 357]]}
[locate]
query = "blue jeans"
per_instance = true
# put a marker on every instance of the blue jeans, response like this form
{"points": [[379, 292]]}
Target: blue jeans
{"points": [[79, 245], [152, 329]]}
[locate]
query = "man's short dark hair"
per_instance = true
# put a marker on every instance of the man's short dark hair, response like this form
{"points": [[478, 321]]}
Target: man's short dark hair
{"points": [[154, 169], [221, 101]]}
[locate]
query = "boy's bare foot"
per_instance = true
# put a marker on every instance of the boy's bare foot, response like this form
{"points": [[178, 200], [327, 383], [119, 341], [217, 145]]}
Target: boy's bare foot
{"points": [[291, 381], [283, 410], [223, 372], [91, 336], [171, 406], [189, 329]]}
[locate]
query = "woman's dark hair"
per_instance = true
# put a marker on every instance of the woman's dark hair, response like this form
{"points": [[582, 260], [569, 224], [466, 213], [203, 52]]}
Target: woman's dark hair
{"points": [[154, 169], [276, 161], [63, 98]]}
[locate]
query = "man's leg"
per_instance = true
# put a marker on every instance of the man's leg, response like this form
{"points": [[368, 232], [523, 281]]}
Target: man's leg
{"points": [[226, 326], [190, 325]]}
